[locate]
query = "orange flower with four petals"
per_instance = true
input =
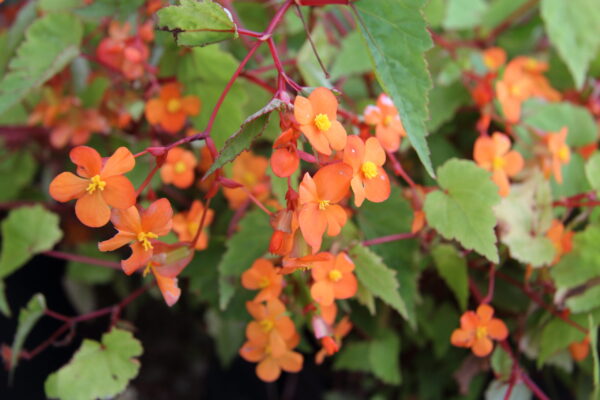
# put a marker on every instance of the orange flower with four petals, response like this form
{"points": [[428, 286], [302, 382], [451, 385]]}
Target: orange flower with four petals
{"points": [[334, 279], [477, 329], [388, 126], [560, 154], [263, 276], [369, 180], [186, 224], [561, 239], [494, 154], [170, 110], [179, 168]]}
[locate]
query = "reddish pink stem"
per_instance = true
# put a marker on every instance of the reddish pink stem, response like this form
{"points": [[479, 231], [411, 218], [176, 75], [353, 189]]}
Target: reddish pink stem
{"points": [[387, 239], [82, 259]]}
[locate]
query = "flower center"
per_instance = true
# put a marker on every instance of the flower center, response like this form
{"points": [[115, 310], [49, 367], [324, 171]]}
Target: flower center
{"points": [[266, 325], [335, 275], [263, 282], [322, 122], [173, 105], [323, 204], [481, 332], [144, 239], [95, 183], [180, 167], [369, 169], [563, 153], [498, 163], [387, 120], [193, 227], [147, 269]]}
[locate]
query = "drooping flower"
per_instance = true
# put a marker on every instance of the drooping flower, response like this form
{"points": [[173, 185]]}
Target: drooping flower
{"points": [[304, 263], [494, 154], [388, 126], [332, 344], [122, 51], [178, 168], [186, 224], [138, 230], [285, 160], [369, 180], [285, 225], [270, 363], [334, 279], [263, 276], [561, 239], [477, 329], [166, 263], [319, 196], [580, 350], [170, 110], [494, 58], [317, 117], [251, 171], [559, 154], [99, 186]]}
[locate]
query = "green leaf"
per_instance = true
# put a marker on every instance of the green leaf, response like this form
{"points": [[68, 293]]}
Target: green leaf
{"points": [[352, 59], [88, 273], [524, 217], [250, 130], [452, 267], [4, 306], [569, 25], [397, 42], [444, 101], [380, 280], [352, 357], [593, 326], [197, 23], [574, 178], [307, 62], [464, 14], [28, 317], [582, 263], [497, 390], [249, 243], [558, 335], [117, 9], [463, 210], [27, 14], [384, 354], [551, 117], [51, 43], [498, 11], [93, 92], [586, 301], [592, 171], [97, 370], [25, 232], [501, 363], [17, 169], [228, 333], [58, 5]]}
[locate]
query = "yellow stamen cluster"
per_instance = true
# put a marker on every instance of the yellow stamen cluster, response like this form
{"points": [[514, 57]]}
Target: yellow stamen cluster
{"points": [[193, 227], [323, 204], [144, 239], [173, 105], [387, 120], [335, 275], [95, 183], [322, 122], [180, 167], [267, 325], [369, 169], [498, 163], [481, 332], [564, 153], [263, 282], [147, 269]]}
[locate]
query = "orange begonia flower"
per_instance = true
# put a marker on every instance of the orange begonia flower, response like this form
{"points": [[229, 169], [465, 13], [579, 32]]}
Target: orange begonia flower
{"points": [[270, 364], [251, 171], [285, 160], [170, 109], [123, 52], [494, 58], [263, 276], [580, 350], [166, 263], [153, 222], [494, 154], [292, 264], [179, 168], [388, 126], [560, 154], [332, 344], [369, 180], [186, 224], [318, 198], [478, 329], [100, 185], [317, 117], [334, 279], [561, 239]]}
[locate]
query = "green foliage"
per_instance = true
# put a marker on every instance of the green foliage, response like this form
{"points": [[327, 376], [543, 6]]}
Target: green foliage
{"points": [[380, 280], [592, 171], [243, 248], [524, 218], [452, 267], [593, 327], [98, 369], [87, 273], [16, 32], [582, 263], [17, 169], [28, 317], [443, 103], [118, 9], [308, 65], [228, 333], [353, 57], [4, 306], [27, 231], [197, 23], [250, 130], [58, 5], [558, 335], [497, 390], [463, 211], [501, 363], [397, 43], [574, 178], [464, 14], [50, 44], [569, 26]]}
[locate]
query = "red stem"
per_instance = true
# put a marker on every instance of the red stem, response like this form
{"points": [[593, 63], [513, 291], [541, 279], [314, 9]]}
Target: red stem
{"points": [[398, 170], [82, 259], [389, 238], [490, 295]]}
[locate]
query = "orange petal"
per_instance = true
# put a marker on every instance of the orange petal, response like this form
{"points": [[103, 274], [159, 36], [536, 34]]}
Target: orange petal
{"points": [[388, 137], [501, 180], [155, 111], [168, 287], [173, 123], [284, 162], [336, 135], [119, 192], [303, 111], [158, 217], [275, 307], [374, 152], [252, 352], [346, 287], [461, 338], [120, 162], [372, 115], [328, 313], [291, 361], [312, 225], [316, 139], [251, 279], [258, 311], [285, 326], [256, 334], [378, 188], [138, 259], [336, 219], [482, 347], [127, 220], [501, 143], [324, 102], [514, 163], [485, 312], [484, 152], [92, 210], [469, 321], [497, 329], [117, 241], [191, 105], [277, 344], [88, 161], [354, 153], [333, 181], [322, 293], [185, 179], [67, 186], [170, 91], [268, 370], [359, 190]]}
